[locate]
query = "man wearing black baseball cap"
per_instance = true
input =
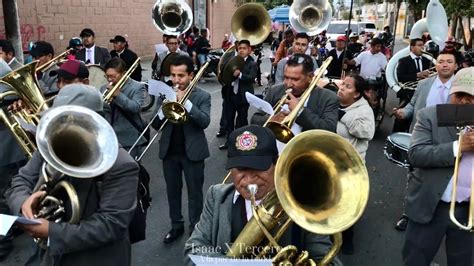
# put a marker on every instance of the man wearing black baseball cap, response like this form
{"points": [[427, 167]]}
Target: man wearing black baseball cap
{"points": [[128, 56], [92, 54], [251, 158], [44, 52]]}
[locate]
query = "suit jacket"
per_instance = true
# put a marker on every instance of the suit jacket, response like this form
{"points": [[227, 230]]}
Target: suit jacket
{"points": [[406, 70], [101, 55], [431, 154], [130, 100], [335, 68], [15, 64], [280, 71], [107, 207], [129, 57], [194, 137], [321, 111], [161, 57], [249, 73], [49, 81], [212, 235], [419, 100]]}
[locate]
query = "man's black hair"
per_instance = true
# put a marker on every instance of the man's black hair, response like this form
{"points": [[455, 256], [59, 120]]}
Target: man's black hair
{"points": [[301, 60], [180, 60]]}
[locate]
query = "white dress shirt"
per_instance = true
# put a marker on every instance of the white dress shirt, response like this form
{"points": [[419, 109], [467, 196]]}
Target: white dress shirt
{"points": [[414, 57], [248, 205], [90, 55], [371, 65], [435, 96]]}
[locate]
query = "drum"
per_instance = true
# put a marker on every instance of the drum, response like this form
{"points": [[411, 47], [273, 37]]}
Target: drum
{"points": [[396, 148], [96, 76]]}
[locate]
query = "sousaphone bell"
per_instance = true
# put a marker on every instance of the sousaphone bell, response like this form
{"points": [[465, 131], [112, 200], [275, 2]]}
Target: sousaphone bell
{"points": [[172, 17]]}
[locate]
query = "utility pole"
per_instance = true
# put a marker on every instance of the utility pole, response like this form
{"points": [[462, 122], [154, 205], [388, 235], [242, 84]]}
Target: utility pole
{"points": [[12, 26]]}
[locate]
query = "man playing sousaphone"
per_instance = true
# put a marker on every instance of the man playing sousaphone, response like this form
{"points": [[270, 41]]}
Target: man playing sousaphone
{"points": [[163, 59]]}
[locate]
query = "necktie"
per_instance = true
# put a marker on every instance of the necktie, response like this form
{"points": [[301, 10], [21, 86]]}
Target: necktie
{"points": [[418, 64], [466, 170], [89, 55], [441, 95]]}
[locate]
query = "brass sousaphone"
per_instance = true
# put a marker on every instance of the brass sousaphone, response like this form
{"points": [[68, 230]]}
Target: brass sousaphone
{"points": [[172, 17]]}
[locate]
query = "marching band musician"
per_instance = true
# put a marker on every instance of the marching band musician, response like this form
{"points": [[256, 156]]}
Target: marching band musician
{"points": [[72, 71], [321, 109], [235, 101], [44, 52], [107, 205], [183, 148], [124, 111], [431, 91], [128, 56], [251, 158], [172, 42], [432, 153], [7, 53], [92, 54], [410, 68]]}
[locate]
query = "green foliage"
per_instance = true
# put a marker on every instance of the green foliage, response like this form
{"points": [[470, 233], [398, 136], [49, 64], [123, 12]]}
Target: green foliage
{"points": [[464, 8]]}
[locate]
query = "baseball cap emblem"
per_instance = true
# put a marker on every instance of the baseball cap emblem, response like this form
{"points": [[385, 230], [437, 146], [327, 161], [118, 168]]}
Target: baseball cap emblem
{"points": [[246, 141]]}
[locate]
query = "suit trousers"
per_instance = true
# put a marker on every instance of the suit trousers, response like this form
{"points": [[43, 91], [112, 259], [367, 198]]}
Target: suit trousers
{"points": [[422, 241], [223, 120], [235, 105], [173, 167]]}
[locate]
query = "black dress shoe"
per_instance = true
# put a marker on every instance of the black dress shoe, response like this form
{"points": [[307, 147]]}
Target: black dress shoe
{"points": [[223, 147], [173, 235], [402, 224], [220, 134]]}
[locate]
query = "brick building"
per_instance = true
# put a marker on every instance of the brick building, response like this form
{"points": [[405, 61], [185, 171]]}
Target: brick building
{"points": [[57, 21]]}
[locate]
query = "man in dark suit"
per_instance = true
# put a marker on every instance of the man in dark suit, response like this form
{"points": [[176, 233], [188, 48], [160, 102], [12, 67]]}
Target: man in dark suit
{"points": [[338, 54], [319, 112], [47, 80], [410, 68], [128, 56], [7, 53], [92, 54], [183, 148], [107, 204], [432, 153], [251, 159], [236, 102]]}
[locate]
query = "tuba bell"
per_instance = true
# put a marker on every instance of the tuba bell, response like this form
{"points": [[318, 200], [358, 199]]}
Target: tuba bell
{"points": [[76, 142], [251, 22], [310, 16], [321, 184], [172, 17]]}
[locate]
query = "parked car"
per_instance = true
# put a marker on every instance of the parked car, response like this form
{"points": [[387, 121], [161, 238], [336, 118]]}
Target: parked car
{"points": [[339, 27]]}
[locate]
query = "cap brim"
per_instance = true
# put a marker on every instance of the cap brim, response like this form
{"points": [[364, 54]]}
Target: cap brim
{"points": [[64, 74], [260, 163], [112, 40]]}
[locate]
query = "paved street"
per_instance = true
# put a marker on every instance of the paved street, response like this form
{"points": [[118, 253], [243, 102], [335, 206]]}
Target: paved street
{"points": [[376, 242]]}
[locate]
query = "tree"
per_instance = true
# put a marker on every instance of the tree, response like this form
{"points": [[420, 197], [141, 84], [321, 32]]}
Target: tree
{"points": [[12, 26]]}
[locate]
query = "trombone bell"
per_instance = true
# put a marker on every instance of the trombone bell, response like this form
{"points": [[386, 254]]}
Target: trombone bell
{"points": [[175, 112]]}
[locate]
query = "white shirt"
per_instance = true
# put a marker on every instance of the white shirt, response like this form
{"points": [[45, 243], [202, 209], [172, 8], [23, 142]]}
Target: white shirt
{"points": [[90, 55], [433, 95], [414, 56], [338, 53], [371, 65], [446, 197], [248, 205], [235, 83]]}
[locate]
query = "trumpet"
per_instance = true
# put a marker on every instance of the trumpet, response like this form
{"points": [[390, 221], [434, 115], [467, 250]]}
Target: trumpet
{"points": [[58, 59], [411, 85], [108, 93]]}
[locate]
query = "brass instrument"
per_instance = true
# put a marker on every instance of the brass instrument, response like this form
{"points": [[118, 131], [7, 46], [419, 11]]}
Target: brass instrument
{"points": [[24, 140], [174, 112], [77, 142], [310, 16], [108, 93], [411, 85], [321, 184], [172, 17], [58, 59], [251, 22], [282, 130], [452, 207]]}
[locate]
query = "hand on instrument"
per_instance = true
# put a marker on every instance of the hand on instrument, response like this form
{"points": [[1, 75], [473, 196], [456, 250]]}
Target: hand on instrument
{"points": [[180, 94], [398, 113], [31, 203], [236, 72], [16, 105], [278, 117], [467, 142], [291, 100], [423, 74], [37, 230]]}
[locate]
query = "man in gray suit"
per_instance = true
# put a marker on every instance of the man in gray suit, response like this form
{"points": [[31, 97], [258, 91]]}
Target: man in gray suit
{"points": [[429, 92], [183, 148], [321, 109], [7, 53], [92, 54], [44, 52], [107, 204], [172, 42], [432, 153], [251, 158]]}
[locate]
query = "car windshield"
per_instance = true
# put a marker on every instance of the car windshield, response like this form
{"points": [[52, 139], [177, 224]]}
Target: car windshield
{"points": [[368, 26], [340, 28]]}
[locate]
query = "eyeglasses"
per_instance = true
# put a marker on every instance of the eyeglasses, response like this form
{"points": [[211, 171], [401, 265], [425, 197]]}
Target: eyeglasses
{"points": [[112, 76]]}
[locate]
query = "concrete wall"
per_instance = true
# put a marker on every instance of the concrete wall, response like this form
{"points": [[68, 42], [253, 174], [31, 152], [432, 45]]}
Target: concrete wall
{"points": [[57, 21]]}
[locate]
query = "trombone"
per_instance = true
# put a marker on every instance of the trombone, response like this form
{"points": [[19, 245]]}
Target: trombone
{"points": [[174, 112], [43, 68], [108, 93], [452, 207]]}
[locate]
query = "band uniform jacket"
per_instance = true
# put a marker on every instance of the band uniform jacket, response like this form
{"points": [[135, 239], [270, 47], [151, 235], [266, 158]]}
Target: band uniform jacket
{"points": [[15, 64], [321, 111], [162, 57], [407, 70], [129, 57], [49, 81], [107, 207], [194, 136], [431, 154], [212, 235], [419, 100], [130, 100], [249, 73], [101, 56]]}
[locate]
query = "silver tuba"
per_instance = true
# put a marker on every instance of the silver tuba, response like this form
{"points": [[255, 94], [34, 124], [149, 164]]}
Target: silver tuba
{"points": [[172, 17], [436, 23], [310, 16], [76, 142]]}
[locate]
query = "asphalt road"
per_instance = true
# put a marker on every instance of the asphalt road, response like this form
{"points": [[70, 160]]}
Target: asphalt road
{"points": [[376, 242]]}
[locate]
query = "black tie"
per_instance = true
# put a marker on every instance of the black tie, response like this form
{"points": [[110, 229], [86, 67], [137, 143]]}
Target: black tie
{"points": [[239, 217], [418, 64]]}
